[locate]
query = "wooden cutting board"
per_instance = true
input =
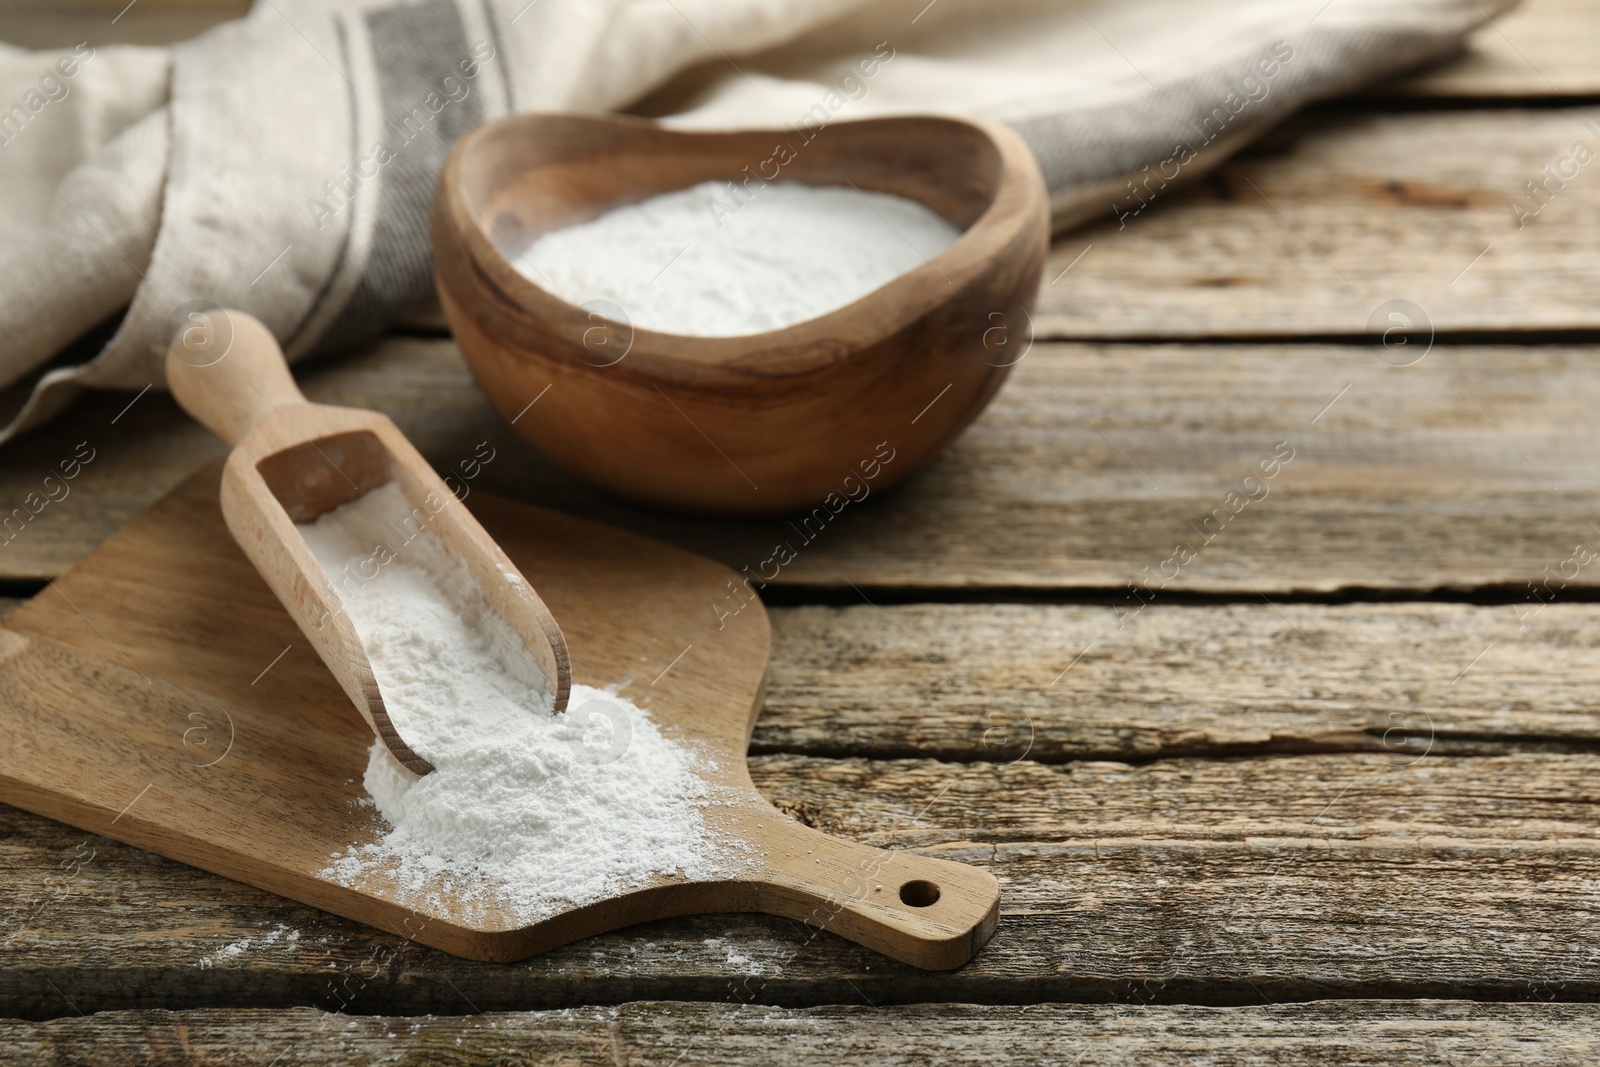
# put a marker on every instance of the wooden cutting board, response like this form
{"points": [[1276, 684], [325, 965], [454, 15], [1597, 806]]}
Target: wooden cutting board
{"points": [[158, 694]]}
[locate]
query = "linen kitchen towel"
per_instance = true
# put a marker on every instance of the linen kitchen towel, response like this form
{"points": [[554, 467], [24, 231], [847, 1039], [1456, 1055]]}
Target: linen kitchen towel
{"points": [[284, 163]]}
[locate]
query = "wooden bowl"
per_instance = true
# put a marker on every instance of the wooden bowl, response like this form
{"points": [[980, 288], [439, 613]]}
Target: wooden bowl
{"points": [[809, 416]]}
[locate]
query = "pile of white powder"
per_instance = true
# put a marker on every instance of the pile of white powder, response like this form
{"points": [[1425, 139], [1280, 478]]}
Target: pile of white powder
{"points": [[525, 810], [716, 261]]}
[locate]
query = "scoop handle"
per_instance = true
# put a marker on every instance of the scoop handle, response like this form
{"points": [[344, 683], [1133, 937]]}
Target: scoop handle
{"points": [[225, 368]]}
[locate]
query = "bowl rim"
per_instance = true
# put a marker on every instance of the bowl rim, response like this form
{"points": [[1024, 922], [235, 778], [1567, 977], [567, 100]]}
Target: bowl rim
{"points": [[1019, 201]]}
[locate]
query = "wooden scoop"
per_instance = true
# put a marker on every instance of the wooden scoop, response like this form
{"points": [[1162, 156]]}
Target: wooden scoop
{"points": [[293, 461]]}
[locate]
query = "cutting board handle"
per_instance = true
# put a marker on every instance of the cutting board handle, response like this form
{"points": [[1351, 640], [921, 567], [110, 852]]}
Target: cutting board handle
{"points": [[923, 911], [225, 368]]}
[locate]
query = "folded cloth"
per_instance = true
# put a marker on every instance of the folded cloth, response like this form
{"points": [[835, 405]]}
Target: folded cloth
{"points": [[284, 163]]}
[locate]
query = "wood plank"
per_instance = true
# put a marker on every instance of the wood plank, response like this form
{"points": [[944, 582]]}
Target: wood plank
{"points": [[1222, 882], [1052, 683], [44, 25], [1357, 800], [1333, 217], [139, 446], [664, 1033], [1541, 49], [1469, 468]]}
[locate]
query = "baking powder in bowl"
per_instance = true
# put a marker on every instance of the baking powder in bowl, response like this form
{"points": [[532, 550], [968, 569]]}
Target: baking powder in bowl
{"points": [[705, 262], [525, 810]]}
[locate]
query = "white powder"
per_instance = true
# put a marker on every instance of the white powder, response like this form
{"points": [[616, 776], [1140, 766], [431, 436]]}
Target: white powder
{"points": [[525, 809], [695, 262], [233, 950]]}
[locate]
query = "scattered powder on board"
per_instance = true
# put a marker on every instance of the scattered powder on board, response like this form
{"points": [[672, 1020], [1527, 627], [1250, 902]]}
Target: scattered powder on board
{"points": [[525, 809], [689, 262]]}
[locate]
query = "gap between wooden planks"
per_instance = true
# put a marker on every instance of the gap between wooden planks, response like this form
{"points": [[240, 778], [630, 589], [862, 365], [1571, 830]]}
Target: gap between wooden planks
{"points": [[656, 1034]]}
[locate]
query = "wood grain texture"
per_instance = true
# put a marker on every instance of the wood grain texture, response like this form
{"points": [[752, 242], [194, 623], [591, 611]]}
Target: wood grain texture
{"points": [[1332, 217], [999, 682], [661, 1034], [1224, 882], [1466, 469], [1541, 48], [46, 25], [141, 445]]}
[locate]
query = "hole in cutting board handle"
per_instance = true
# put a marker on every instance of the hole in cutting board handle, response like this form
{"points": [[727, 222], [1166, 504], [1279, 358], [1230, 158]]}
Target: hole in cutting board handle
{"points": [[918, 893]]}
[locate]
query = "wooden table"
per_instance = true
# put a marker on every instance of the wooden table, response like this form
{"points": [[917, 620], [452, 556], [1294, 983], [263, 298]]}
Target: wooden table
{"points": [[1325, 793]]}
